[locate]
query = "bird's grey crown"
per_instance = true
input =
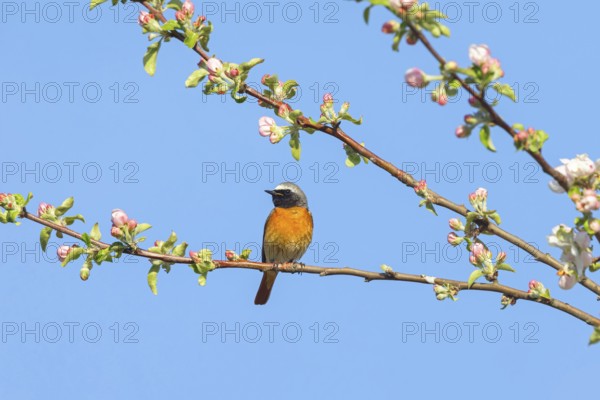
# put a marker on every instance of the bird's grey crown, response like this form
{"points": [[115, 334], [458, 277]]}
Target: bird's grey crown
{"points": [[288, 194]]}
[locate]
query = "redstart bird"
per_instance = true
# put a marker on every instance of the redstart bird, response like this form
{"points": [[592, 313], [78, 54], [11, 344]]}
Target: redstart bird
{"points": [[287, 234]]}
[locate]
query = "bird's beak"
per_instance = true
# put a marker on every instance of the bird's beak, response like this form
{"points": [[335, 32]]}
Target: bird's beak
{"points": [[273, 193]]}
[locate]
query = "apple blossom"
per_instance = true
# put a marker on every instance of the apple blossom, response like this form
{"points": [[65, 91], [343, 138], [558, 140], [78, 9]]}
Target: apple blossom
{"points": [[145, 17], [119, 217], [479, 54], [45, 208], [265, 125], [63, 252]]}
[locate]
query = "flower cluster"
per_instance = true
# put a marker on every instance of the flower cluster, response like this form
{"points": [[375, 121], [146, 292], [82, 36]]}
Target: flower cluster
{"points": [[581, 171], [529, 139], [481, 57], [538, 290], [575, 246], [121, 224], [445, 291]]}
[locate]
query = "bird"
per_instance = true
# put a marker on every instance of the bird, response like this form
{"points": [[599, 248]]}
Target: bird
{"points": [[287, 233]]}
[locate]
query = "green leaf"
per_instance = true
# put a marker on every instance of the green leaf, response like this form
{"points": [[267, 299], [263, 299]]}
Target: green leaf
{"points": [[474, 276], [96, 3], [367, 14], [485, 137], [171, 25], [505, 89], [153, 277], [64, 207], [429, 206], [595, 338], [196, 77], [180, 249], [95, 233], [245, 254], [202, 280], [295, 145], [505, 267], [44, 237], [29, 197], [495, 217], [86, 239], [150, 57], [191, 38], [170, 241], [141, 228], [70, 220], [175, 5], [246, 66]]}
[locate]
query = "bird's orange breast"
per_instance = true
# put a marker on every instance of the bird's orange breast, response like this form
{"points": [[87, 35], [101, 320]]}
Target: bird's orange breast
{"points": [[287, 235]]}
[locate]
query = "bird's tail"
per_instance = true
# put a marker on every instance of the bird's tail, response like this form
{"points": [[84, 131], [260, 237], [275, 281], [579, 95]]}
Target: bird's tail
{"points": [[264, 290]]}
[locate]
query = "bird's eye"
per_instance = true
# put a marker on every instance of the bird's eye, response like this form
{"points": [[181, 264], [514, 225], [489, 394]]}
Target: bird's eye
{"points": [[286, 191]]}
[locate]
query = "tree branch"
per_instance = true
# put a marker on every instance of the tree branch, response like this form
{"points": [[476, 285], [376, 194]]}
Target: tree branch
{"points": [[403, 176], [367, 275], [496, 118]]}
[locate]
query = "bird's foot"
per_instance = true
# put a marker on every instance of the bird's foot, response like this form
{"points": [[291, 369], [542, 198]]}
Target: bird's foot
{"points": [[297, 266]]}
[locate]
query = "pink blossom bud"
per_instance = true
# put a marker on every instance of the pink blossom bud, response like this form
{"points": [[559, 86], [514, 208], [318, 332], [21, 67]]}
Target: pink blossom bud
{"points": [[406, 4], [481, 193], [158, 243], [501, 257], [213, 65], [456, 224], [478, 250], [145, 17], [194, 256], [440, 96], [116, 232], [595, 225], [327, 98], [521, 137], [230, 255], [264, 126], [119, 217], [188, 8], [180, 16], [233, 72], [470, 119], [411, 40], [462, 132], [390, 27], [533, 284], [473, 259], [3, 197], [44, 208], [131, 225], [473, 101], [63, 253], [421, 187], [566, 281], [416, 78], [284, 110], [263, 80], [454, 239]]}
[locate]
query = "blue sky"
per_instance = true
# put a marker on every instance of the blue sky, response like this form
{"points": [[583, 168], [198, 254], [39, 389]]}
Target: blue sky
{"points": [[81, 118]]}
